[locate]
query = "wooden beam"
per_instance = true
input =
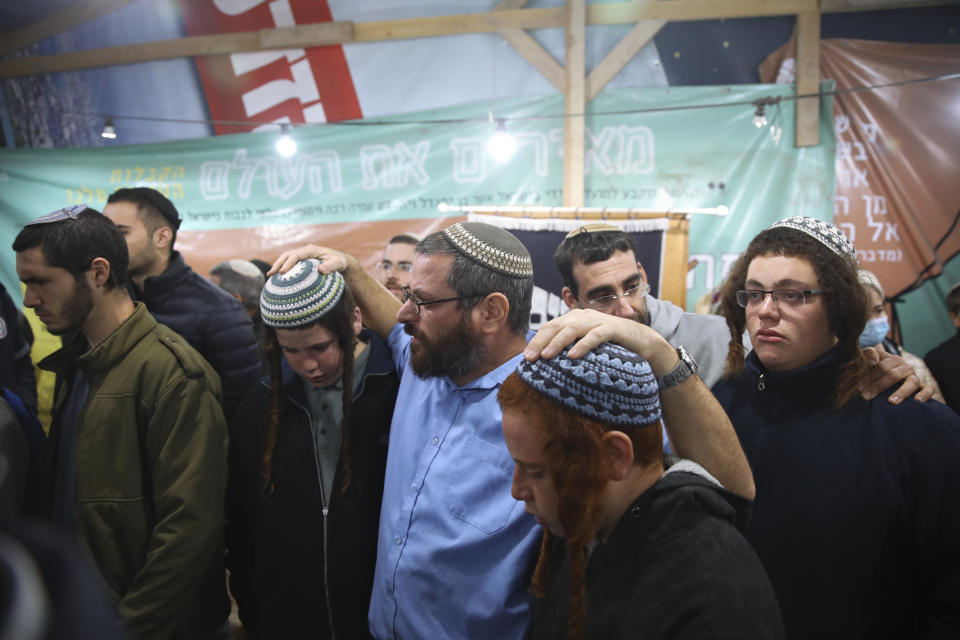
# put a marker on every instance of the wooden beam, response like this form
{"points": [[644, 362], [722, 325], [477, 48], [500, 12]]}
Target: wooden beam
{"points": [[319, 34], [574, 101], [59, 22], [843, 6], [510, 4], [524, 44], [458, 24], [280, 38], [630, 12], [629, 46], [808, 79]]}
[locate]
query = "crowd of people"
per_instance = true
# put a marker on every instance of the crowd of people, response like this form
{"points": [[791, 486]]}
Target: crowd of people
{"points": [[397, 455]]}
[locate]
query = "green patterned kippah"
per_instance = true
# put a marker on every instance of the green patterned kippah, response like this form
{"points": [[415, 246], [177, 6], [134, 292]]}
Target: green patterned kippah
{"points": [[300, 296]]}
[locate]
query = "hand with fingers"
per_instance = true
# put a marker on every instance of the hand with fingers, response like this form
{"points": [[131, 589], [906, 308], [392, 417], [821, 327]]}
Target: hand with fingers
{"points": [[589, 328], [887, 370], [330, 259]]}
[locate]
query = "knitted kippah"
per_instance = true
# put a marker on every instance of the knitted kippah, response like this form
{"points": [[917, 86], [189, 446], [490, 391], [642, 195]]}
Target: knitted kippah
{"points": [[825, 233], [609, 384], [491, 246], [66, 213], [870, 279], [593, 227], [300, 296]]}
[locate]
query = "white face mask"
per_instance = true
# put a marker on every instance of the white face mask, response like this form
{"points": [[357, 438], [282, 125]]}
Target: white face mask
{"points": [[875, 331]]}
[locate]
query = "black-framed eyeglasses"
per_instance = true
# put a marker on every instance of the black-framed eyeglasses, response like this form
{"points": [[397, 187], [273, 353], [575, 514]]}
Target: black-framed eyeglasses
{"points": [[407, 295], [790, 297], [386, 265], [605, 302]]}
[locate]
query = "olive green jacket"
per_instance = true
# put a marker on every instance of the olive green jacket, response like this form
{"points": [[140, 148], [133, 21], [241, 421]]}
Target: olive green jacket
{"points": [[151, 474]]}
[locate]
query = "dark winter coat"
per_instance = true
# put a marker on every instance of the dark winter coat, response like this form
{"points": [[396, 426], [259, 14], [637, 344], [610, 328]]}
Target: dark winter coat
{"points": [[282, 549], [675, 566], [211, 320], [857, 514]]}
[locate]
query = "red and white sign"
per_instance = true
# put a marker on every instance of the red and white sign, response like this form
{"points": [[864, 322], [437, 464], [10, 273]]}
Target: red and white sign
{"points": [[293, 85]]}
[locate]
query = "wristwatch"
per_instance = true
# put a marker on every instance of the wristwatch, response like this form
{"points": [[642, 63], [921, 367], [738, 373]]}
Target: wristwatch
{"points": [[684, 369]]}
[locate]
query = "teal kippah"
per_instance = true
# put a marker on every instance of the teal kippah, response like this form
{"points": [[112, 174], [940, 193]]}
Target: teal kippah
{"points": [[300, 296], [609, 384]]}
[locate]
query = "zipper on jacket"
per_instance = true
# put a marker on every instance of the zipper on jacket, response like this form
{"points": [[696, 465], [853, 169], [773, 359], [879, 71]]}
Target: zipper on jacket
{"points": [[761, 385], [324, 510]]}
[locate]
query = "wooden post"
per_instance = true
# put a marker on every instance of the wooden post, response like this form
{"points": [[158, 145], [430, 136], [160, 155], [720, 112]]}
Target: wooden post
{"points": [[574, 102], [808, 79]]}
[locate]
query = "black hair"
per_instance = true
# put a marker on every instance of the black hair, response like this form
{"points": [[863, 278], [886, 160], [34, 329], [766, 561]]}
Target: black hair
{"points": [[587, 248], [153, 208], [73, 243]]}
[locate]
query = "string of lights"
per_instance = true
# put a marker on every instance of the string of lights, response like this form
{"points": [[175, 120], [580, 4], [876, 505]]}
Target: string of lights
{"points": [[765, 101]]}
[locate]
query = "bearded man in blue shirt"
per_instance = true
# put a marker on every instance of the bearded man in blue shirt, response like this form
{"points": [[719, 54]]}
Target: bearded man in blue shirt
{"points": [[455, 550]]}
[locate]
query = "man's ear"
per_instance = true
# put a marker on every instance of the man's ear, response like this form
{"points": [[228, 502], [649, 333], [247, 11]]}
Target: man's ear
{"points": [[162, 238], [569, 299], [357, 321], [619, 453], [491, 314], [100, 268]]}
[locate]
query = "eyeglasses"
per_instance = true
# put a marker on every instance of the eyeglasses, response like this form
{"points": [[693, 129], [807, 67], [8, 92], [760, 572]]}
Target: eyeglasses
{"points": [[600, 303], [791, 297], [407, 295], [386, 265]]}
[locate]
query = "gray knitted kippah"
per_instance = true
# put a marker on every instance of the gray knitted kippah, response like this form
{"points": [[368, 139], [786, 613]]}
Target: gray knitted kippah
{"points": [[491, 246], [299, 296], [609, 384], [825, 233]]}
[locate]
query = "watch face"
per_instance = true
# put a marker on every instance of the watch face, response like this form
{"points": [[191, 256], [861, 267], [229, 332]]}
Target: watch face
{"points": [[687, 359]]}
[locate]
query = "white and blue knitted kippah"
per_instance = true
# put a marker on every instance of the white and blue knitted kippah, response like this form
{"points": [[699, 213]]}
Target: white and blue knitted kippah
{"points": [[825, 233], [610, 384], [491, 246], [299, 296]]}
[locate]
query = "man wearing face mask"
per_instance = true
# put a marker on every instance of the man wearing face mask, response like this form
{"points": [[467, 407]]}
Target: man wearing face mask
{"points": [[875, 332]]}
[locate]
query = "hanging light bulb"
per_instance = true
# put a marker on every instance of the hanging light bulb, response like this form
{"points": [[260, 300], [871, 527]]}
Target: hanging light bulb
{"points": [[501, 144], [759, 117], [109, 131], [286, 145]]}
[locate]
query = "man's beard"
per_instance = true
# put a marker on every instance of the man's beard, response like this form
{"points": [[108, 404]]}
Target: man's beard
{"points": [[455, 353], [76, 309]]}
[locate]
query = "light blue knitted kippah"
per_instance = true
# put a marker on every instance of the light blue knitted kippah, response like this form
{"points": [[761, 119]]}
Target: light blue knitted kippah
{"points": [[299, 296], [609, 384]]}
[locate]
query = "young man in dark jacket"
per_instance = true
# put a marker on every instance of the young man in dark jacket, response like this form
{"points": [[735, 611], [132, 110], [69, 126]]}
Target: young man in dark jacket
{"points": [[307, 462], [211, 320]]}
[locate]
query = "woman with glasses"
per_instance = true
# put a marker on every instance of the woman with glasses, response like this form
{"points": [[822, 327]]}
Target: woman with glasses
{"points": [[857, 512]]}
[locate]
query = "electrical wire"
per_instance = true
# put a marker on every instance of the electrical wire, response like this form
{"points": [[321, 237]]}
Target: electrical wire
{"points": [[768, 100]]}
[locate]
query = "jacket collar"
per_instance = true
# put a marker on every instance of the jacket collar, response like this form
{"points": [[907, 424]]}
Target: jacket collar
{"points": [[164, 284], [815, 382], [108, 353]]}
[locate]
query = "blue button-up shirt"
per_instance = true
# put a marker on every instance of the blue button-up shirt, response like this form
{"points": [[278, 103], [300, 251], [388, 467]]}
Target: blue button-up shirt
{"points": [[455, 550]]}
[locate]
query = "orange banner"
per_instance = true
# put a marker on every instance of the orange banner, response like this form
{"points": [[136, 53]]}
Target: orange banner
{"points": [[897, 195]]}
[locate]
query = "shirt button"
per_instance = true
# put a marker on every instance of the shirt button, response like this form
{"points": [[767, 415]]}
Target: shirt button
{"points": [[413, 488], [399, 540], [435, 440]]}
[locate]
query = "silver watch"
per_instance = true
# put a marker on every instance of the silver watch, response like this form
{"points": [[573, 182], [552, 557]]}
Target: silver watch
{"points": [[684, 369]]}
